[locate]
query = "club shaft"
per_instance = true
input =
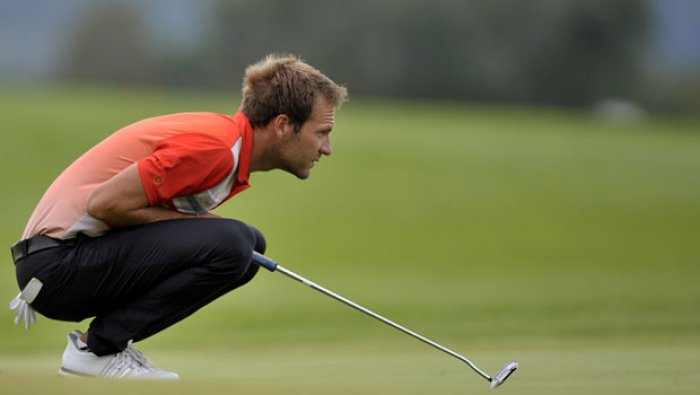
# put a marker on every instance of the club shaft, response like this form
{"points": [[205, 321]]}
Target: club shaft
{"points": [[387, 321]]}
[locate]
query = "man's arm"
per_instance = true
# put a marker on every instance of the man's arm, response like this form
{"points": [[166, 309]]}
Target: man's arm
{"points": [[122, 201]]}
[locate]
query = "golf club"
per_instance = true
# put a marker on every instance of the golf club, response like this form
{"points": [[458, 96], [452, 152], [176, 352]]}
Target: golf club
{"points": [[494, 381]]}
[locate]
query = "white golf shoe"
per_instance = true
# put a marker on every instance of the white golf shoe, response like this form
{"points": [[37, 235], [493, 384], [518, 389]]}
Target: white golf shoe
{"points": [[128, 364]]}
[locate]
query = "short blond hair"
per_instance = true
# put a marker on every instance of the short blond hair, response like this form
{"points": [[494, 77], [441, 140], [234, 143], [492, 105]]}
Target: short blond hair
{"points": [[284, 84]]}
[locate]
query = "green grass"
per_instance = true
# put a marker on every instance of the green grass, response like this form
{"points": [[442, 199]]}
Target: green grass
{"points": [[381, 370], [550, 237]]}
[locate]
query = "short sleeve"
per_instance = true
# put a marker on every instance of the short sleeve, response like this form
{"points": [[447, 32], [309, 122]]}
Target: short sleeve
{"points": [[183, 165]]}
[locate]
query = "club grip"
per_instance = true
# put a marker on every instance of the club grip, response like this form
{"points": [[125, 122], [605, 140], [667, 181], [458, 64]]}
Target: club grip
{"points": [[264, 261]]}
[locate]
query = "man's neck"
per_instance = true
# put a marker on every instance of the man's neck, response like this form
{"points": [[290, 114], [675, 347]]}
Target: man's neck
{"points": [[262, 141]]}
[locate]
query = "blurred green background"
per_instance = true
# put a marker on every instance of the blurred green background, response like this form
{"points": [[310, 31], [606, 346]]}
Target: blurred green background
{"points": [[514, 181], [550, 237]]}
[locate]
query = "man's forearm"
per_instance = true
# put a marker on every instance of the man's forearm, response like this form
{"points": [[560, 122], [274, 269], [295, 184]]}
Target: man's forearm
{"points": [[142, 216], [122, 201]]}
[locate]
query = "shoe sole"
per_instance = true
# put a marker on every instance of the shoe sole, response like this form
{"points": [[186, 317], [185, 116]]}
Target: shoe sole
{"points": [[63, 372]]}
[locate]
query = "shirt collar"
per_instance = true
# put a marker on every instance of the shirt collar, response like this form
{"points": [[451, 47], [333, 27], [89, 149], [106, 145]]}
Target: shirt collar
{"points": [[242, 122]]}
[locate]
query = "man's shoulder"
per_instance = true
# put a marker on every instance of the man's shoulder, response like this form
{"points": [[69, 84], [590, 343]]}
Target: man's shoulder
{"points": [[208, 125], [192, 118]]}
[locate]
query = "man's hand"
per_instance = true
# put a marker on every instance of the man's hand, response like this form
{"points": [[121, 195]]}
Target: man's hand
{"points": [[122, 201]]}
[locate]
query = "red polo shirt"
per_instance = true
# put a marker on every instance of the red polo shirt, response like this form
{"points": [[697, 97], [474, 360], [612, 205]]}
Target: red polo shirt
{"points": [[189, 162]]}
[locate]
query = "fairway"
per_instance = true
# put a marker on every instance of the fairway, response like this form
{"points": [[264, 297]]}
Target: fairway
{"points": [[601, 369], [565, 242]]}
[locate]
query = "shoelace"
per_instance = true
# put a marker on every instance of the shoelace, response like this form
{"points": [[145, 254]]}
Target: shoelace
{"points": [[123, 365], [138, 356]]}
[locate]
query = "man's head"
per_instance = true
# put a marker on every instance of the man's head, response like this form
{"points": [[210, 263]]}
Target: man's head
{"points": [[286, 85], [293, 106]]}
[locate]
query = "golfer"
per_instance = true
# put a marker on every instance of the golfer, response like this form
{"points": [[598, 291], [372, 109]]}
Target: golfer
{"points": [[125, 233]]}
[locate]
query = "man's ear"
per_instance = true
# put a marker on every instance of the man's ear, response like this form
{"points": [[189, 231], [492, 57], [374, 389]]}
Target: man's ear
{"points": [[282, 125]]}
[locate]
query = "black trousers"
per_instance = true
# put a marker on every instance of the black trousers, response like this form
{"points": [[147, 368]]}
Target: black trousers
{"points": [[138, 281]]}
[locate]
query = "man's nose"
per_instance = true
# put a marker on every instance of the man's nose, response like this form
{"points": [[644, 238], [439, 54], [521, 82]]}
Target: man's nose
{"points": [[326, 146]]}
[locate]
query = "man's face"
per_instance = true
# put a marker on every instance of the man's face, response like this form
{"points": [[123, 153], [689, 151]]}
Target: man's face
{"points": [[300, 151]]}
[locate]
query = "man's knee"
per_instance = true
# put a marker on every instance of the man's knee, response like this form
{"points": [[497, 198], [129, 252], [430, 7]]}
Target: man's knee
{"points": [[260, 243], [238, 234], [234, 246]]}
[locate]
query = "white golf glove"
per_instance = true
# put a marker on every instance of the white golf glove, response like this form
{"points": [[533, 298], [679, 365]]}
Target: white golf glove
{"points": [[21, 303], [23, 310]]}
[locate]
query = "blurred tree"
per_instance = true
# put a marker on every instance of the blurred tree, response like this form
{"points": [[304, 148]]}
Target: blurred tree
{"points": [[571, 52], [557, 52], [110, 44], [590, 51]]}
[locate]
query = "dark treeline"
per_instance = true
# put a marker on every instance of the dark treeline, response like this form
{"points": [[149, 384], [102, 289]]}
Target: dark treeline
{"points": [[564, 52]]}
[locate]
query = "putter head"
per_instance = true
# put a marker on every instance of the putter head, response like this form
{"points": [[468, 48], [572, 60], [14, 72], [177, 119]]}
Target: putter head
{"points": [[501, 376]]}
